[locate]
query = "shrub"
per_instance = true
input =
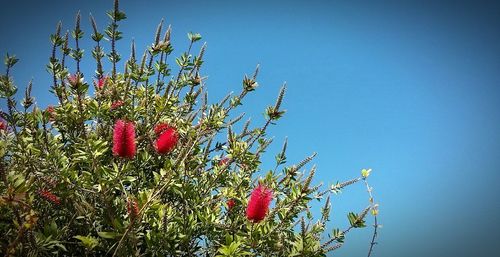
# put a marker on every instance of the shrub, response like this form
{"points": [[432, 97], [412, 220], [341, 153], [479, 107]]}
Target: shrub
{"points": [[138, 166]]}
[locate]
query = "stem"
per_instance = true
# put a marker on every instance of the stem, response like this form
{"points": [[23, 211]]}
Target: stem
{"points": [[251, 233], [10, 105], [77, 35], [64, 95], [53, 61], [158, 88], [113, 38], [375, 225]]}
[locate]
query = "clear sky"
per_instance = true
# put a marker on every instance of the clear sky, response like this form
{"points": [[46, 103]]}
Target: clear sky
{"points": [[408, 88]]}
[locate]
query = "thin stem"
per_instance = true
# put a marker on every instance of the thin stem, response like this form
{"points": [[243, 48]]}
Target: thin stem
{"points": [[53, 61], [11, 105], [77, 37], [149, 67], [360, 217], [375, 220], [113, 38]]}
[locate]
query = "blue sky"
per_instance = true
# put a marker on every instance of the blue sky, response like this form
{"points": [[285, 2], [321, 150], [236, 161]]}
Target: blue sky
{"points": [[410, 89]]}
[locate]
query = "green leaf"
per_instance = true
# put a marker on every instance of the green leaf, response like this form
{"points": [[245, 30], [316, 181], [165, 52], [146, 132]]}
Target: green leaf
{"points": [[109, 235], [10, 61], [88, 241], [355, 220], [365, 172], [193, 37]]}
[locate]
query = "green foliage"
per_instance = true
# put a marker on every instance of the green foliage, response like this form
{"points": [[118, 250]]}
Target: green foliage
{"points": [[10, 61], [63, 191], [193, 37], [355, 220]]}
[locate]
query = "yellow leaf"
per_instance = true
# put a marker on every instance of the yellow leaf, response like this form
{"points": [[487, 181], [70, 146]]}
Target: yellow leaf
{"points": [[365, 172]]}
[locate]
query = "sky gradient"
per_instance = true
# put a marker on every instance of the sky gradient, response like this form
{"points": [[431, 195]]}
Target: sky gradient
{"points": [[408, 88]]}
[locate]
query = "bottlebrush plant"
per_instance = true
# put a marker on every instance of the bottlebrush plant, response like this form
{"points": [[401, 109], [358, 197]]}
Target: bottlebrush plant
{"points": [[138, 166]]}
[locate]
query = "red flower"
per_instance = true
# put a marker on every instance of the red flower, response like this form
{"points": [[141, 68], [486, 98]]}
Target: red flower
{"points": [[74, 80], [49, 196], [102, 82], [258, 205], [50, 110], [116, 104], [159, 128], [167, 140], [230, 204], [124, 139], [133, 208], [3, 124], [224, 161]]}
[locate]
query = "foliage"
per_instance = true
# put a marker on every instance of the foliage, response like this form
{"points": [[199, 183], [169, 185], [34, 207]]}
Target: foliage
{"points": [[66, 190]]}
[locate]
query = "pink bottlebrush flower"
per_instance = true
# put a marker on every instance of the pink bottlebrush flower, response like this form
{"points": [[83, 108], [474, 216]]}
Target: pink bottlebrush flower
{"points": [[259, 202], [230, 204], [51, 111], [167, 140], [102, 82], [74, 79], [49, 196], [133, 208], [116, 104], [124, 139], [159, 128], [3, 124], [224, 161]]}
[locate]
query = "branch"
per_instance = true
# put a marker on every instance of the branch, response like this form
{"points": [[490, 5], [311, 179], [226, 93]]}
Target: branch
{"points": [[375, 213]]}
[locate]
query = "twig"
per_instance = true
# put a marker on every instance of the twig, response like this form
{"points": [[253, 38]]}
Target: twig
{"points": [[375, 225]]}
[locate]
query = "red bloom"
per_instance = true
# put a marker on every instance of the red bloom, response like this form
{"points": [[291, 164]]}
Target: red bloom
{"points": [[258, 205], [230, 204], [124, 139], [133, 208], [74, 79], [159, 128], [166, 141], [116, 104], [224, 161], [3, 124], [50, 110], [49, 196], [102, 82]]}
